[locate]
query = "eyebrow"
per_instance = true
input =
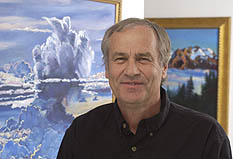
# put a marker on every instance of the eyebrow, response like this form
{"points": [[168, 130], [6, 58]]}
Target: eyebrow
{"points": [[146, 54], [119, 54]]}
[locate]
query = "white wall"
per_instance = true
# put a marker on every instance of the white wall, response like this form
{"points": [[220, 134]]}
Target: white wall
{"points": [[132, 8], [196, 8]]}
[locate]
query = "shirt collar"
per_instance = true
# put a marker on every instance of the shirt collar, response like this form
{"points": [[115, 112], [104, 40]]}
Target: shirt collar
{"points": [[119, 118], [153, 123]]}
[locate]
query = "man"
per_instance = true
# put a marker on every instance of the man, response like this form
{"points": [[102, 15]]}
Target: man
{"points": [[142, 123]]}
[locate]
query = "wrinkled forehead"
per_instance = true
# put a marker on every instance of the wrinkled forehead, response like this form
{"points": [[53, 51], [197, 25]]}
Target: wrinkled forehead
{"points": [[137, 30], [134, 40], [142, 35], [133, 25]]}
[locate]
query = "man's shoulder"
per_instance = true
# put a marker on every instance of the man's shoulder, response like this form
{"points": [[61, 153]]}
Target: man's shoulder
{"points": [[198, 122], [201, 126], [189, 116], [95, 116], [99, 111]]}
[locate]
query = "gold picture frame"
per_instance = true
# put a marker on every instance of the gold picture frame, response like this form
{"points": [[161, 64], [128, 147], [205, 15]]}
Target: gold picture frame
{"points": [[223, 26], [118, 7]]}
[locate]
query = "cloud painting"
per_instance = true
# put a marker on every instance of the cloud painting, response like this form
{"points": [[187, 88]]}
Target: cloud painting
{"points": [[51, 71]]}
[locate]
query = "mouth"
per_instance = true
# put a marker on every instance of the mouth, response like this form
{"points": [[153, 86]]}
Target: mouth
{"points": [[132, 83]]}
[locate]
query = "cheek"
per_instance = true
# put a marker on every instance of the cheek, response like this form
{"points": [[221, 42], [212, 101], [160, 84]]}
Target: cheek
{"points": [[152, 73], [114, 72]]}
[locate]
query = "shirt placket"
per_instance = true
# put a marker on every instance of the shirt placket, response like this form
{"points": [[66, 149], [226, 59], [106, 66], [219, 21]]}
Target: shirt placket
{"points": [[136, 143]]}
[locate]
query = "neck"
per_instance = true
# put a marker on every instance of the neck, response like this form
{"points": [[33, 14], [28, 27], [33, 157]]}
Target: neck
{"points": [[134, 113]]}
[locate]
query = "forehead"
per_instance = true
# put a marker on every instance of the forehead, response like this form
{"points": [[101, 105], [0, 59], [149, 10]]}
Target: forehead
{"points": [[136, 29], [136, 37]]}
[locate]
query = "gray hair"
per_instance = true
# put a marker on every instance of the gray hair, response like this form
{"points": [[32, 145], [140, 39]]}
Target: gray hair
{"points": [[164, 44]]}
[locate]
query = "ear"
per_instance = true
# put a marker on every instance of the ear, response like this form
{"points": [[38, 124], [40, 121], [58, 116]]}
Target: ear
{"points": [[106, 72], [164, 72]]}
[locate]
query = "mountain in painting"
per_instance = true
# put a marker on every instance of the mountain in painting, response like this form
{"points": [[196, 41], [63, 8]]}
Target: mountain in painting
{"points": [[193, 58]]}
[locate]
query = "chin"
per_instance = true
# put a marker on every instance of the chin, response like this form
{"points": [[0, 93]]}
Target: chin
{"points": [[131, 100]]}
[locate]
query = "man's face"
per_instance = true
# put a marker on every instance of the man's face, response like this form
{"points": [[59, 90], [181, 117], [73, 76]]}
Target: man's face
{"points": [[133, 68]]}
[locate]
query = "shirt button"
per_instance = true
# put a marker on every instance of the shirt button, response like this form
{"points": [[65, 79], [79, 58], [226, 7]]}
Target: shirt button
{"points": [[151, 134], [134, 148], [124, 125]]}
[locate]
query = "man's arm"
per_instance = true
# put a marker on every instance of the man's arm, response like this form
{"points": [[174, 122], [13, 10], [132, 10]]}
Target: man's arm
{"points": [[217, 145], [67, 145], [226, 150]]}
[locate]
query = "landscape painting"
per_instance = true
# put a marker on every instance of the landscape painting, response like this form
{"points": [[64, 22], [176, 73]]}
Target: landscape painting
{"points": [[51, 70], [193, 69], [198, 74]]}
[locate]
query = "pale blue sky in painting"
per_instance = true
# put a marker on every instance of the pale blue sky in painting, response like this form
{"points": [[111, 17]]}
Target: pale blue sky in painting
{"points": [[22, 26], [205, 38]]}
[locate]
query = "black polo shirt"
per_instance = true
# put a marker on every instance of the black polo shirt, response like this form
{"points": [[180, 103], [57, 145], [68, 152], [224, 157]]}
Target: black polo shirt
{"points": [[174, 133]]}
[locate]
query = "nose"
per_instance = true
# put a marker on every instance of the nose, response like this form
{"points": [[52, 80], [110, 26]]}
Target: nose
{"points": [[132, 68]]}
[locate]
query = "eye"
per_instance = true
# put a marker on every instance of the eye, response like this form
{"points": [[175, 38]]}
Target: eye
{"points": [[120, 59], [143, 59]]}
